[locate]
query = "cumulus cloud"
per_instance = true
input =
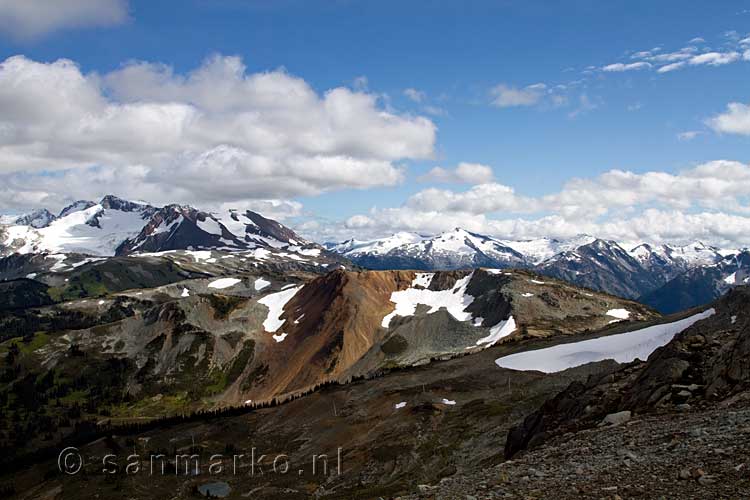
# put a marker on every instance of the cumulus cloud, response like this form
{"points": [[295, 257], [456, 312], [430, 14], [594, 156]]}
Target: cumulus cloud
{"points": [[464, 173], [274, 209], [652, 225], [217, 133], [480, 199], [30, 19], [707, 202], [505, 96], [736, 120]]}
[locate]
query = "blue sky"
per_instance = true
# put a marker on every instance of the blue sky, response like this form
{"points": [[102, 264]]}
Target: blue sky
{"points": [[457, 57]]}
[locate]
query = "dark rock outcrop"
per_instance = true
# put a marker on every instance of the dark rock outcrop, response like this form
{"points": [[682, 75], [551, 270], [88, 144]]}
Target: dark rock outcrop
{"points": [[705, 364]]}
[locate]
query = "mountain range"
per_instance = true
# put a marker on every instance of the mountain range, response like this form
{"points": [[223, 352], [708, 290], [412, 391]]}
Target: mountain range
{"points": [[650, 273], [667, 277]]}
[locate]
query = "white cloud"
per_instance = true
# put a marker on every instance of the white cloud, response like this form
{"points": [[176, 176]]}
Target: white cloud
{"points": [[215, 134], [273, 209], [469, 173], [688, 135], [415, 95], [670, 67], [504, 96], [434, 110], [30, 19], [705, 202], [361, 83], [736, 120], [620, 67], [585, 104], [715, 58], [687, 56], [480, 199], [652, 225], [678, 55]]}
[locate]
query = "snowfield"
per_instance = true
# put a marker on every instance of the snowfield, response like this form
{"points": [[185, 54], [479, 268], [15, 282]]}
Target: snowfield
{"points": [[223, 283], [94, 231], [623, 348], [275, 303], [455, 300]]}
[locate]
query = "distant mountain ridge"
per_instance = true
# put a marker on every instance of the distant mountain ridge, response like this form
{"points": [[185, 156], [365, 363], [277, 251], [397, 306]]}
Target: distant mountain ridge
{"points": [[632, 271]]}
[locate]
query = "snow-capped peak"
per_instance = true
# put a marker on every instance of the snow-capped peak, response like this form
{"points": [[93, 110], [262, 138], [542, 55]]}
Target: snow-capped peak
{"points": [[118, 226], [541, 249], [37, 218], [687, 256]]}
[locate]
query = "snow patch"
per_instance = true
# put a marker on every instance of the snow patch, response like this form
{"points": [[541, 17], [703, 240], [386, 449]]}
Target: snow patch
{"points": [[400, 405], [499, 331], [200, 255], [185, 293], [731, 279], [260, 284], [275, 303], [223, 283], [259, 253], [210, 226], [448, 401], [455, 300], [308, 252], [423, 280], [527, 294], [623, 348], [60, 264], [618, 313]]}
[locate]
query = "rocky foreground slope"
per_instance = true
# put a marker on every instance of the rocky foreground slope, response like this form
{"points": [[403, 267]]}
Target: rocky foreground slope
{"points": [[431, 431], [674, 426]]}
